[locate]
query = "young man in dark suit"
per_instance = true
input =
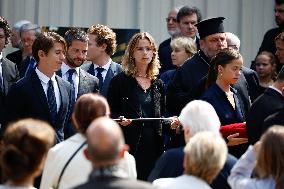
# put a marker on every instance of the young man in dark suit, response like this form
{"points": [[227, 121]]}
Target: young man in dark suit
{"points": [[42, 94], [106, 147], [8, 70], [102, 44]]}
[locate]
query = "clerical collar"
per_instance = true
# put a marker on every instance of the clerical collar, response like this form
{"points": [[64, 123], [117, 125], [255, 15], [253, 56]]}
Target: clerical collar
{"points": [[115, 171]]}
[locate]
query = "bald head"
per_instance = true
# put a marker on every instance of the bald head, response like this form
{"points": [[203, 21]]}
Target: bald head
{"points": [[105, 142]]}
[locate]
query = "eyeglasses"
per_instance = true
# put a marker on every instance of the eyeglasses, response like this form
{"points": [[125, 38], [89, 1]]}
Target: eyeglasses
{"points": [[171, 18]]}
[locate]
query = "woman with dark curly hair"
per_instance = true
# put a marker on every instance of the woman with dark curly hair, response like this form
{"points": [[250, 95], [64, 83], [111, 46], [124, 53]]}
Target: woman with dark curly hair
{"points": [[25, 145], [136, 92]]}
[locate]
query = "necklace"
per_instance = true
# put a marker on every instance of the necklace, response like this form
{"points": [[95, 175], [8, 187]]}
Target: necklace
{"points": [[140, 75]]}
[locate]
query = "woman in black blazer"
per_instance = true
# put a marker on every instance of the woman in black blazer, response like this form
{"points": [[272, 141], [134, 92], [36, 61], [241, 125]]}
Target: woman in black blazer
{"points": [[136, 92]]}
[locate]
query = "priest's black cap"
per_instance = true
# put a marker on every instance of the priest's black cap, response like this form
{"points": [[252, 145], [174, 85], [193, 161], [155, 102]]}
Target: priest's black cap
{"points": [[210, 26]]}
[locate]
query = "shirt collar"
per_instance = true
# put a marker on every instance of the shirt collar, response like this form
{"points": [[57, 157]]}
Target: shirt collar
{"points": [[272, 87], [106, 66], [65, 68], [1, 56], [43, 77]]}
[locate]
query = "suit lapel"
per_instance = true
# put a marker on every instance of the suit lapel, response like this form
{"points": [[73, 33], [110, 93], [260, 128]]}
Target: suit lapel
{"points": [[63, 95], [5, 76], [109, 76], [82, 83]]}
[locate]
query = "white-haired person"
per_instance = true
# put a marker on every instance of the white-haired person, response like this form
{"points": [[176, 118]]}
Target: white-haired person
{"points": [[197, 116], [183, 48], [203, 160]]}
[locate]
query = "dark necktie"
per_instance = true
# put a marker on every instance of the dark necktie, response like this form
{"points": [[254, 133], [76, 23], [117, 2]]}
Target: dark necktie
{"points": [[51, 101], [100, 77], [31, 66], [70, 74]]}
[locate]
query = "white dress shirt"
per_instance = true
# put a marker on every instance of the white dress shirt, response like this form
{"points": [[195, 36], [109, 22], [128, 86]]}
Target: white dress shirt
{"points": [[75, 76], [44, 82], [105, 67]]}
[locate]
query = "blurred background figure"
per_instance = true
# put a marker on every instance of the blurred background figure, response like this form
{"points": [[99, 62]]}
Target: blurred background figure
{"points": [[8, 71], [25, 145], [268, 38], [15, 39], [183, 48], [265, 67], [87, 108], [250, 75], [203, 160], [165, 50], [137, 93], [271, 101], [106, 147], [266, 158], [28, 33], [187, 19]]}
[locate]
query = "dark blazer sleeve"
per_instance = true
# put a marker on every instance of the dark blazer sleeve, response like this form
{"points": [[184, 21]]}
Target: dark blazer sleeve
{"points": [[253, 83], [114, 96], [10, 74]]}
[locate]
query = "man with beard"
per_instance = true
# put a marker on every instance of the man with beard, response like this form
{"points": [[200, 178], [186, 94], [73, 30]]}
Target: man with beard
{"points": [[77, 47], [268, 43], [81, 81]]}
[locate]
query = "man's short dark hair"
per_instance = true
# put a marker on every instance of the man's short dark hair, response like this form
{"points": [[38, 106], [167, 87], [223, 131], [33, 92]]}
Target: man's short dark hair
{"points": [[187, 11], [7, 30], [45, 41], [75, 34]]}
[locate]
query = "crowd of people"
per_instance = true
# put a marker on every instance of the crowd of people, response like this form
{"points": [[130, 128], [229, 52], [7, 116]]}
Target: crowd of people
{"points": [[185, 114]]}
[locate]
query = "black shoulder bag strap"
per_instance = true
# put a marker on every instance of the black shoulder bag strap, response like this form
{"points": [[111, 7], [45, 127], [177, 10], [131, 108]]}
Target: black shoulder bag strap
{"points": [[67, 163]]}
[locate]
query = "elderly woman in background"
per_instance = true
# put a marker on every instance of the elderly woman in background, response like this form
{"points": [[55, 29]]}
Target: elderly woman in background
{"points": [[87, 108], [137, 93], [25, 145], [183, 48], [267, 158], [265, 65]]}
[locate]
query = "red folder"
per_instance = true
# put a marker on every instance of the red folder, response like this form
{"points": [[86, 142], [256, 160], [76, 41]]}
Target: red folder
{"points": [[230, 129]]}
